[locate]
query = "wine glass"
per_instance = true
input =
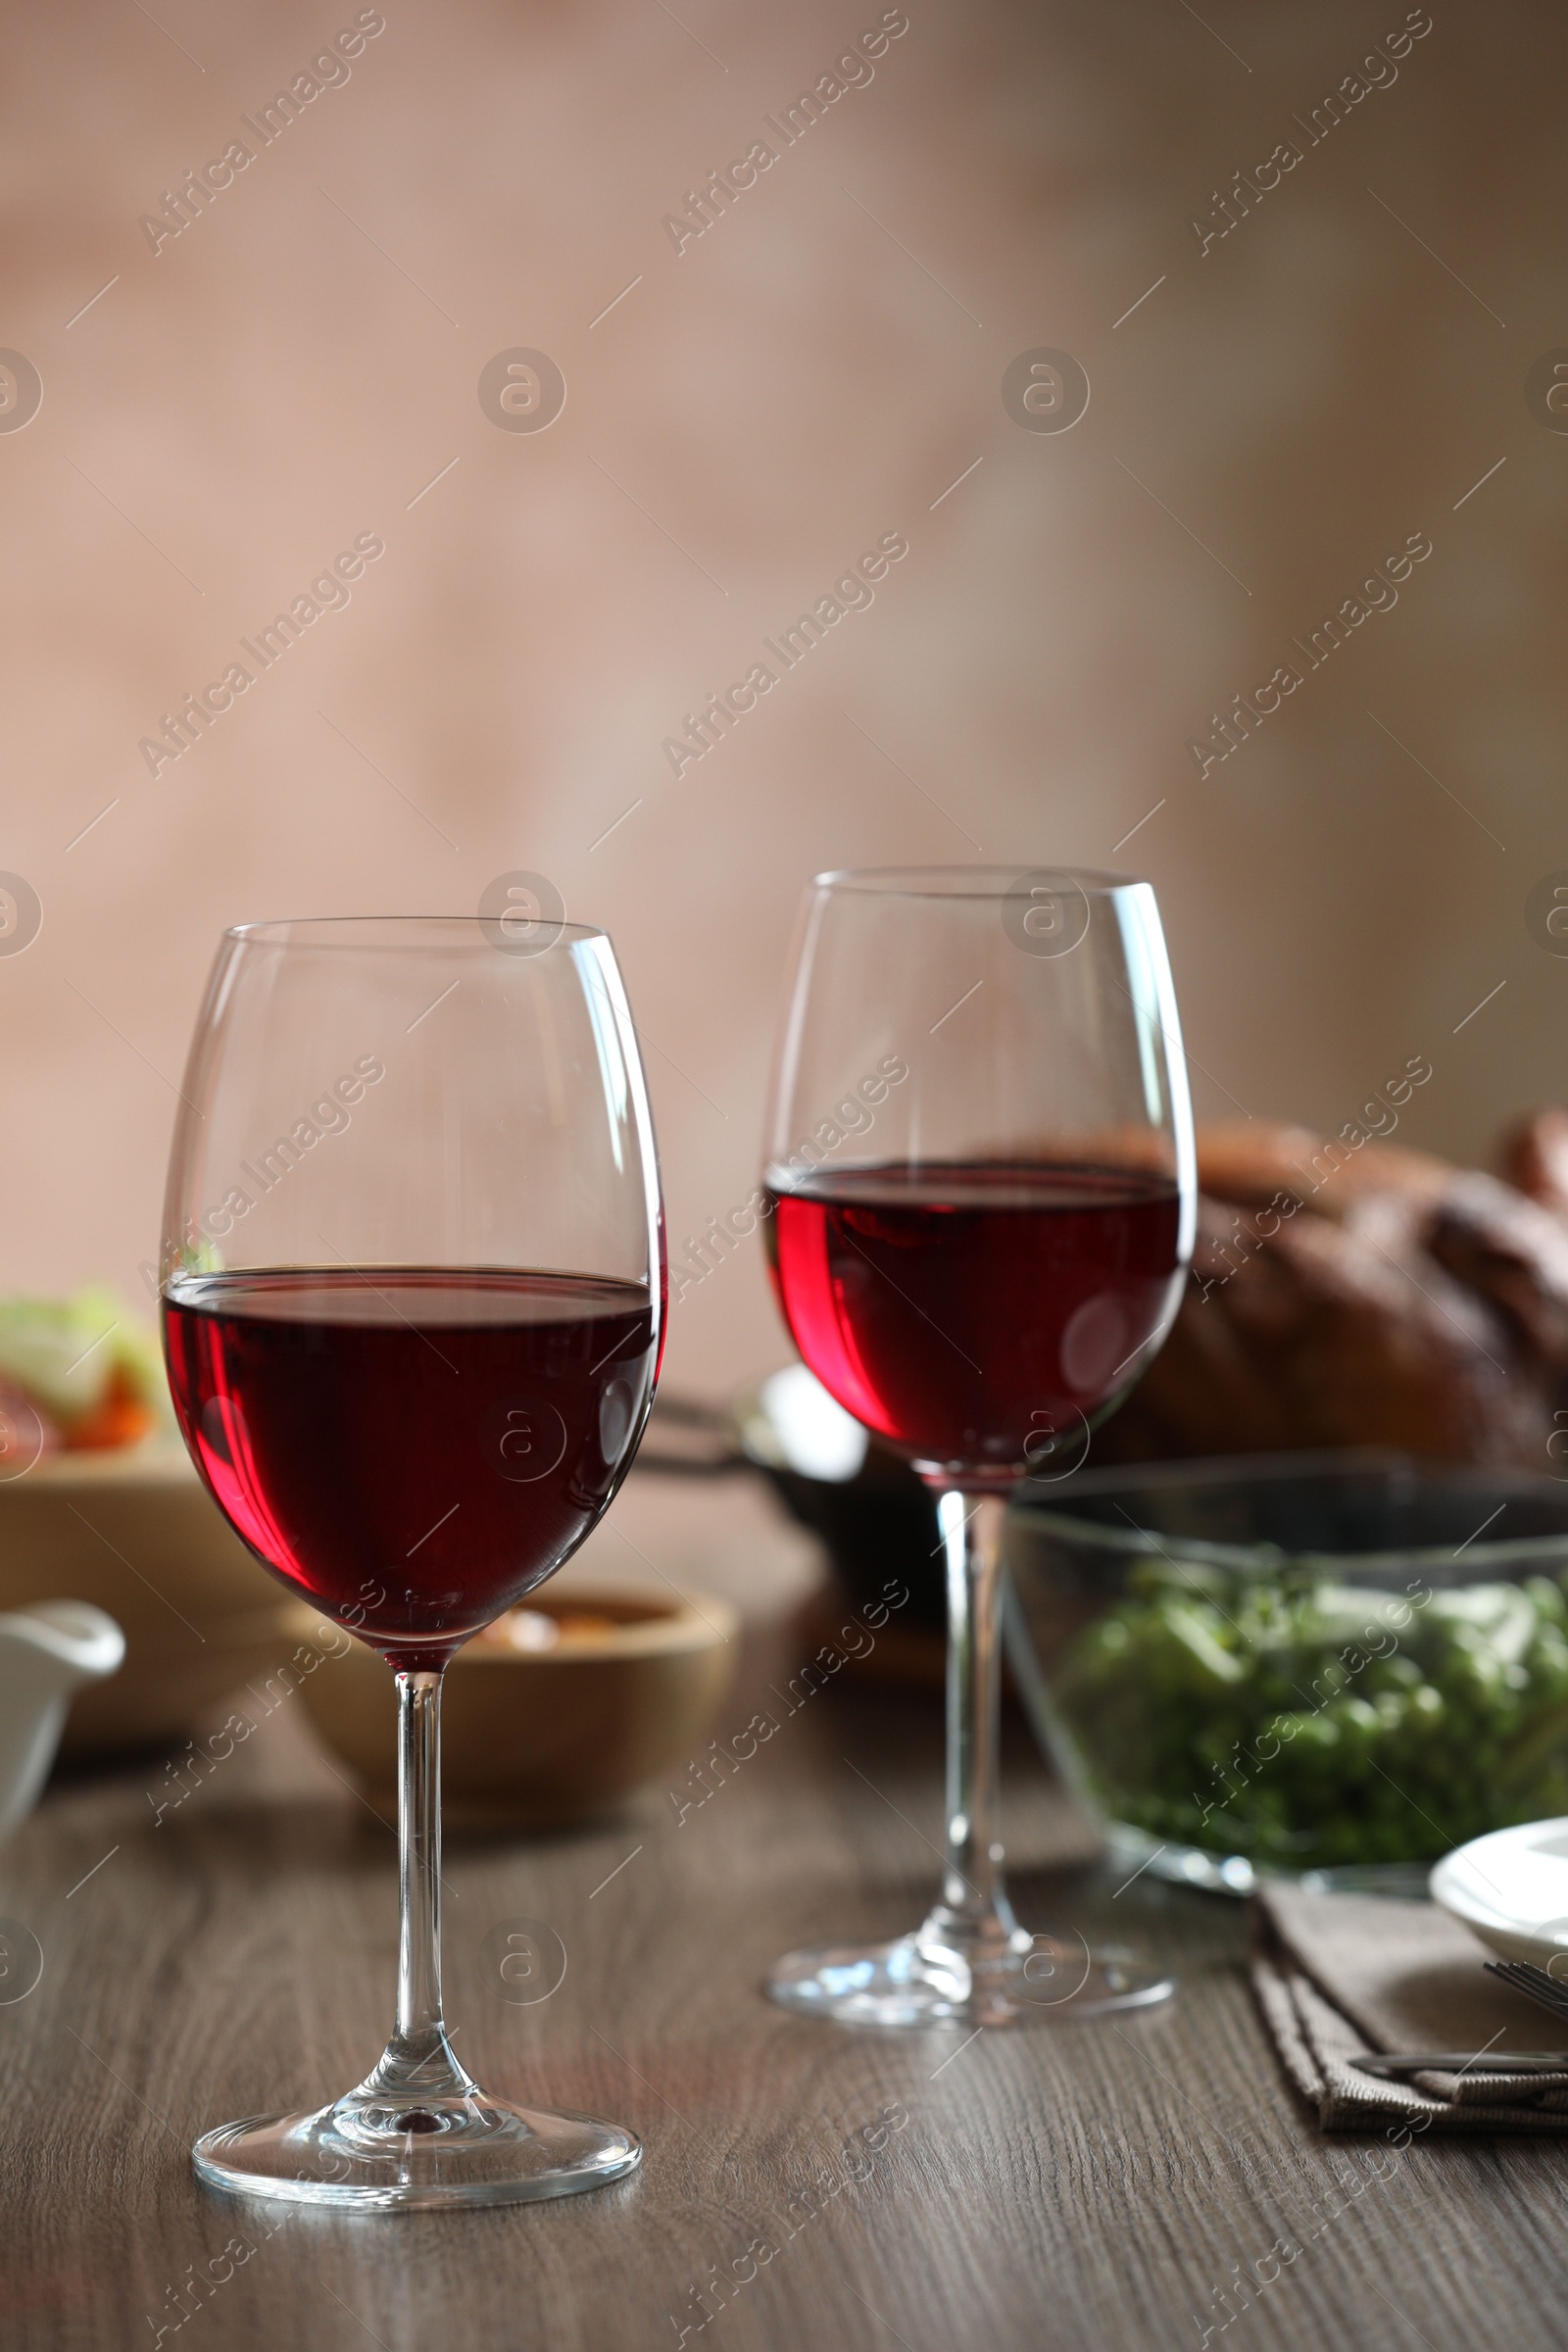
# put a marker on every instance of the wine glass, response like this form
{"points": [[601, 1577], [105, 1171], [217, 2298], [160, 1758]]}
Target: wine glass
{"points": [[980, 1172], [412, 1289]]}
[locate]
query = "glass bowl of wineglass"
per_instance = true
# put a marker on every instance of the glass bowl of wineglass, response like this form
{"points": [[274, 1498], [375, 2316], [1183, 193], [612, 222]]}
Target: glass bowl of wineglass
{"points": [[412, 1285], [980, 1170]]}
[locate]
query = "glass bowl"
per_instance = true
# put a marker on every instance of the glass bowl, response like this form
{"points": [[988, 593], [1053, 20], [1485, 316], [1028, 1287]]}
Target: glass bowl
{"points": [[1334, 1666]]}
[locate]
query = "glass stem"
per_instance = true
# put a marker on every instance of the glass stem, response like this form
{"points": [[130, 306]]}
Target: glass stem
{"points": [[418, 2062], [974, 1916]]}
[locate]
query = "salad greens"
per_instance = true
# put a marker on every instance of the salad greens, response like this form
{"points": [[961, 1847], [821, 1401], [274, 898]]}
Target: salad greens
{"points": [[91, 1370], [1306, 1722]]}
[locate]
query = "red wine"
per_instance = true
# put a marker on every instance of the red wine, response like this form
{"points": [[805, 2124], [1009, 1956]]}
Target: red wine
{"points": [[975, 1315], [414, 1448]]}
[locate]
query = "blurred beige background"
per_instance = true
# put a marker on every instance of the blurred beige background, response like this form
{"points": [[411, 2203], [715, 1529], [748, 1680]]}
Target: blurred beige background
{"points": [[821, 367]]}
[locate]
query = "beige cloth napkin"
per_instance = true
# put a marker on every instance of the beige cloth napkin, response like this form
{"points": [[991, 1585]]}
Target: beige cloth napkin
{"points": [[1339, 1976]]}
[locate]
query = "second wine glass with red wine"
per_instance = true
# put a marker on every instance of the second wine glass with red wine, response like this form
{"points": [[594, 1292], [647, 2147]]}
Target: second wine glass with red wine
{"points": [[413, 1296], [980, 1170]]}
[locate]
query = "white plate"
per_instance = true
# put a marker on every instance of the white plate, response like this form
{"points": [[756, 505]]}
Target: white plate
{"points": [[1511, 1888]]}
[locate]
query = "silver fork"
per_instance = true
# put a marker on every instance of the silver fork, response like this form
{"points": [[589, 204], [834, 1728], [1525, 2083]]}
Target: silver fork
{"points": [[1525, 1977], [1538, 1982], [1385, 2064]]}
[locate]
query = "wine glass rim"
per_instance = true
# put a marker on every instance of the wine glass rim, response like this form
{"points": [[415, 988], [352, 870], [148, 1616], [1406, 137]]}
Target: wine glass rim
{"points": [[475, 932], [973, 881]]}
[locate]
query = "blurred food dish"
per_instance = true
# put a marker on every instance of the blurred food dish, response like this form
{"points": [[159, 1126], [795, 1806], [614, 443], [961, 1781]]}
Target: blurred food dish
{"points": [[77, 1374], [133, 1531], [1348, 1292], [1329, 1665], [557, 1712]]}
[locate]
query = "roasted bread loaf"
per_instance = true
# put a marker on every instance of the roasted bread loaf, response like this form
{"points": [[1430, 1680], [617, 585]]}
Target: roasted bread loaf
{"points": [[1365, 1295]]}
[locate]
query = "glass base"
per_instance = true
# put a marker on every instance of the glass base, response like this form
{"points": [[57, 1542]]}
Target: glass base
{"points": [[376, 2155], [1036, 1982]]}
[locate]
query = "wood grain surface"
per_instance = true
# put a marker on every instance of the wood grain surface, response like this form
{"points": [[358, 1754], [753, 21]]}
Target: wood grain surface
{"points": [[1097, 2186]]}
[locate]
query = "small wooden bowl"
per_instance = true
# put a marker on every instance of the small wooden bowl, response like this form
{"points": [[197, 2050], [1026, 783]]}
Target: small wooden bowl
{"points": [[136, 1532], [541, 1739]]}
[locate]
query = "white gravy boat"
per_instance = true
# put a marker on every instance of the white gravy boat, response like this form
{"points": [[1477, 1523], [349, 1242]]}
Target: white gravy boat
{"points": [[46, 1652]]}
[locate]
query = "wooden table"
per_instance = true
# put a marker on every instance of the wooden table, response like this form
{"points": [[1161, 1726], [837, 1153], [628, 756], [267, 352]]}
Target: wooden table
{"points": [[1099, 2185]]}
